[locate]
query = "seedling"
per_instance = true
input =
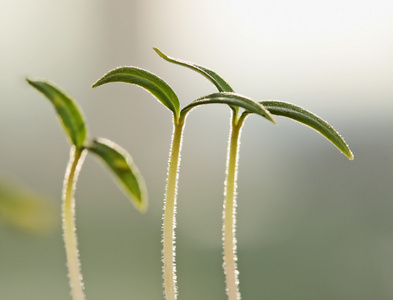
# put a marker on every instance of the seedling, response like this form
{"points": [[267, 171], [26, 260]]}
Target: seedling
{"points": [[165, 94], [116, 158], [279, 108]]}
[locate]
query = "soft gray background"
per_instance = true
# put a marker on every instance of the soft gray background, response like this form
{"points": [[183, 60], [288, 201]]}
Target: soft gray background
{"points": [[311, 224]]}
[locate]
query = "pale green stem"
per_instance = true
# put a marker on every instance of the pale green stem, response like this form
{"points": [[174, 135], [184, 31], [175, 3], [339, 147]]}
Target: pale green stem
{"points": [[169, 218], [69, 228], [229, 213]]}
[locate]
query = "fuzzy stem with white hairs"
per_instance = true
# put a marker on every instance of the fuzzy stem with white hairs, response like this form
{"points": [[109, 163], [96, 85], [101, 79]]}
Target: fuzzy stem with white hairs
{"points": [[169, 218], [77, 156], [229, 212]]}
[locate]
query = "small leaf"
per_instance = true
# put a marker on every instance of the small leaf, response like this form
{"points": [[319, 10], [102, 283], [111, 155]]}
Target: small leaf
{"points": [[70, 115], [147, 80], [217, 80], [301, 115], [231, 99], [120, 162]]}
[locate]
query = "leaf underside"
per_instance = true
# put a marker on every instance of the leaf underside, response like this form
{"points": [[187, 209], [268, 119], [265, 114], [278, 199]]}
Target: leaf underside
{"points": [[231, 99], [147, 80], [304, 116], [70, 115], [120, 162]]}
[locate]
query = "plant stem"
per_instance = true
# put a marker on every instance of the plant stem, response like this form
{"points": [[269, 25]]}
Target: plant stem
{"points": [[229, 212], [169, 218], [69, 229]]}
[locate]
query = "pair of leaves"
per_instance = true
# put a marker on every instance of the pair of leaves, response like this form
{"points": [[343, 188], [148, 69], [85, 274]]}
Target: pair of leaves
{"points": [[278, 108], [116, 158], [165, 94]]}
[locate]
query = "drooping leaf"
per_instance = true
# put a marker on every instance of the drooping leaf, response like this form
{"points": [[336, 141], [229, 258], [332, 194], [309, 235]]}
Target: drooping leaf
{"points": [[122, 165], [70, 115], [304, 116], [217, 80], [231, 99], [147, 80]]}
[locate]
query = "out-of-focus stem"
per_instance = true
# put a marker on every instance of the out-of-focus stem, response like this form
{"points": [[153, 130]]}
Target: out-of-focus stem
{"points": [[69, 228]]}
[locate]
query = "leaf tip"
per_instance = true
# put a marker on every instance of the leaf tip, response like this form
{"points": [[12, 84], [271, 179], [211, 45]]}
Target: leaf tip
{"points": [[350, 155], [271, 119], [32, 82], [96, 84], [103, 79], [344, 148], [159, 52], [142, 207], [268, 115]]}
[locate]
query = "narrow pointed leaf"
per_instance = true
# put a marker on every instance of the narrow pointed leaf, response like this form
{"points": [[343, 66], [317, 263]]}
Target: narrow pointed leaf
{"points": [[231, 99], [70, 115], [217, 80], [212, 76], [122, 165], [147, 80], [304, 116]]}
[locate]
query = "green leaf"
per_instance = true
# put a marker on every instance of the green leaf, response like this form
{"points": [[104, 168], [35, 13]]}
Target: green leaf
{"points": [[212, 76], [26, 210], [122, 165], [231, 99], [217, 80], [302, 115], [147, 80], [70, 115]]}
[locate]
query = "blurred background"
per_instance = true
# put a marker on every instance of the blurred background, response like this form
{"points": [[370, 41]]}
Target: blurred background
{"points": [[311, 224]]}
